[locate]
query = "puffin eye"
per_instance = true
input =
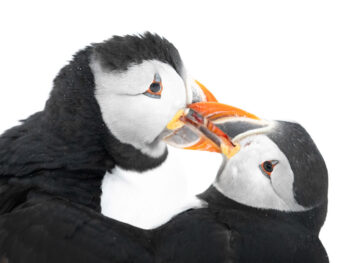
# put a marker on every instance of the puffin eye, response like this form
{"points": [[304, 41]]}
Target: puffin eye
{"points": [[155, 88], [267, 167]]}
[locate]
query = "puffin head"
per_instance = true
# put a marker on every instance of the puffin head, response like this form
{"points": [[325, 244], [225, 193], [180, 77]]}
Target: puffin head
{"points": [[267, 164], [277, 167], [140, 86]]}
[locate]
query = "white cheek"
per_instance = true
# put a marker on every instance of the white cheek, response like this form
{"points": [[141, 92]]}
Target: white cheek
{"points": [[127, 118], [243, 181], [249, 186], [174, 91], [282, 181], [133, 117]]}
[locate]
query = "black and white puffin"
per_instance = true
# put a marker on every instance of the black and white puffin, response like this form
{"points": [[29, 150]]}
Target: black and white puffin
{"points": [[267, 204], [109, 108]]}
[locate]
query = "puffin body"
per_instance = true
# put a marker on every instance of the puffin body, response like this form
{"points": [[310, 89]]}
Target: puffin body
{"points": [[52, 229], [267, 204], [151, 198], [109, 108], [227, 231]]}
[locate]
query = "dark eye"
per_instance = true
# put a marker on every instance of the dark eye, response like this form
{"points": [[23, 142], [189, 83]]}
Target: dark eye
{"points": [[155, 89], [267, 167]]}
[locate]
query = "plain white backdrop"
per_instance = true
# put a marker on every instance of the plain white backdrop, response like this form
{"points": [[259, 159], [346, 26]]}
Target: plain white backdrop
{"points": [[278, 59]]}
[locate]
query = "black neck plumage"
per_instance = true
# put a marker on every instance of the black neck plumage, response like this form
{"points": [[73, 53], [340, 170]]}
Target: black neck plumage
{"points": [[312, 219]]}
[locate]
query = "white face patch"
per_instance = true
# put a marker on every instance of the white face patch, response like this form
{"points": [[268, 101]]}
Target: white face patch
{"points": [[132, 117], [243, 181]]}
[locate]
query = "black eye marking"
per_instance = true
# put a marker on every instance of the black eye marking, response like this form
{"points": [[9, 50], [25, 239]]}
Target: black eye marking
{"points": [[267, 167], [156, 88]]}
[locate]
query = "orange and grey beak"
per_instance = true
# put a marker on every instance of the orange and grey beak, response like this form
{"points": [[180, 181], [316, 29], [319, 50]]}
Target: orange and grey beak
{"points": [[196, 127]]}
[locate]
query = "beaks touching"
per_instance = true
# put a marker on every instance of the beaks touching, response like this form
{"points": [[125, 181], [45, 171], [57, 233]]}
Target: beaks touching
{"points": [[193, 128]]}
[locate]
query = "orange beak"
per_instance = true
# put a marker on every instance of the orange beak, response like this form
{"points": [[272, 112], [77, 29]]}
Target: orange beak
{"points": [[194, 127]]}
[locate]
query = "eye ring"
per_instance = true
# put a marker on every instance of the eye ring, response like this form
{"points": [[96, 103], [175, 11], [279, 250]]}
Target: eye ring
{"points": [[267, 167], [155, 88]]}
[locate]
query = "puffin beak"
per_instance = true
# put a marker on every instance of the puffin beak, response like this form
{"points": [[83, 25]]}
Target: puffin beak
{"points": [[200, 93], [195, 127], [196, 92]]}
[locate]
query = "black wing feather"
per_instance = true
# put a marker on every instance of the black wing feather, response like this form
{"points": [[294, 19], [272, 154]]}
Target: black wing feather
{"points": [[56, 230]]}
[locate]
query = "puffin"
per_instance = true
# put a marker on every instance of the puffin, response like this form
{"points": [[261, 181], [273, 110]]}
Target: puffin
{"points": [[109, 109], [267, 203]]}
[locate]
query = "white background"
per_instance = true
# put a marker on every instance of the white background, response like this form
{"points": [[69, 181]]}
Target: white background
{"points": [[278, 59]]}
